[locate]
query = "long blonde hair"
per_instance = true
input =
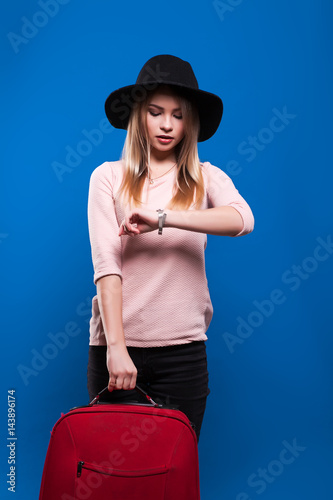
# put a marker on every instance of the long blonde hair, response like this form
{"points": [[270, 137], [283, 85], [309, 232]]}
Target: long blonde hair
{"points": [[189, 186]]}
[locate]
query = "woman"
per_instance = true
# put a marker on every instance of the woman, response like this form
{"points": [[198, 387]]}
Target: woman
{"points": [[149, 214]]}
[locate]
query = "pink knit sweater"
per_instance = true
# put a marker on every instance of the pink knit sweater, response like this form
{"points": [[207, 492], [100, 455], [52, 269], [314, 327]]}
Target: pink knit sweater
{"points": [[166, 299]]}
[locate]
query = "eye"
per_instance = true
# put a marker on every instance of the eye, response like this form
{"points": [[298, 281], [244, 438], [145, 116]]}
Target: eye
{"points": [[154, 114], [178, 117]]}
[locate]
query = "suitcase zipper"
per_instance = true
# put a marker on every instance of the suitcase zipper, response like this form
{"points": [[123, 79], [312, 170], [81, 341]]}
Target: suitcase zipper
{"points": [[79, 468], [116, 472]]}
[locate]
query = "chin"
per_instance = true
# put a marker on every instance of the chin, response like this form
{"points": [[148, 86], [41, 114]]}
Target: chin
{"points": [[161, 147]]}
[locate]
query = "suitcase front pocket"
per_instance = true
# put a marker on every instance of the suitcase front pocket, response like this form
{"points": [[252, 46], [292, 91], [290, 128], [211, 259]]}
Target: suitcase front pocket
{"points": [[97, 481]]}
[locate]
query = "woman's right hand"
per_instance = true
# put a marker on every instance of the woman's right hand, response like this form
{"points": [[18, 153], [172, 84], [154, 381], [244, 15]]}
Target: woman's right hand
{"points": [[122, 371]]}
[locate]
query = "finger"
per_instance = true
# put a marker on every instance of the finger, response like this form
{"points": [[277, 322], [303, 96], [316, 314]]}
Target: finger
{"points": [[119, 383], [124, 230], [131, 229], [131, 222], [133, 381], [121, 229], [126, 383], [112, 383]]}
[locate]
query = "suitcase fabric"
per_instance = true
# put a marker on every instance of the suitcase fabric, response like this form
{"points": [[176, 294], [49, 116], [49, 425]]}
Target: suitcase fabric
{"points": [[121, 452]]}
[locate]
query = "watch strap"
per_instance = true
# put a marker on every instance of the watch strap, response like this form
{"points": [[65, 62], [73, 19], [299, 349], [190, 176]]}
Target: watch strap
{"points": [[161, 219]]}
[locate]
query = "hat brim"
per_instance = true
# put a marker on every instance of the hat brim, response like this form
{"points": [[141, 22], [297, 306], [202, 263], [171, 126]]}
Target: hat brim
{"points": [[119, 104]]}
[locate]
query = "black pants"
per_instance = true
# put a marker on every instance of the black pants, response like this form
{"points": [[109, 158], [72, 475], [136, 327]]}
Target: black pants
{"points": [[173, 375]]}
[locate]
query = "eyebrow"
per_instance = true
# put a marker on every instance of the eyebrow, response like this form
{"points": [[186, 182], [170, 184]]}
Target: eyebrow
{"points": [[160, 107]]}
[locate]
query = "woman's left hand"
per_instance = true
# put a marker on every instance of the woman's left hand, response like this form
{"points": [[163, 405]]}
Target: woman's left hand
{"points": [[139, 221]]}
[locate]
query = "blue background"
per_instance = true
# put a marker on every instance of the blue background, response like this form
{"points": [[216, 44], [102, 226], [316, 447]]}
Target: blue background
{"points": [[274, 384]]}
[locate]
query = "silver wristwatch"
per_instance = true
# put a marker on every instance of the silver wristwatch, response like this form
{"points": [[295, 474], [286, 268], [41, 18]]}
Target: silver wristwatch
{"points": [[161, 219]]}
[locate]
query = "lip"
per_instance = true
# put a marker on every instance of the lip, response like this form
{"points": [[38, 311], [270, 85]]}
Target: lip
{"points": [[164, 139]]}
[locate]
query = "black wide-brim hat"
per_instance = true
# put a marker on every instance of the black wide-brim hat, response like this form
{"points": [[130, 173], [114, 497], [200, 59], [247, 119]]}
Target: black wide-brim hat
{"points": [[178, 74]]}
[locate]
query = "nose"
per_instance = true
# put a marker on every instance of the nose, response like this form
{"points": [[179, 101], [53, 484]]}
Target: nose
{"points": [[166, 124]]}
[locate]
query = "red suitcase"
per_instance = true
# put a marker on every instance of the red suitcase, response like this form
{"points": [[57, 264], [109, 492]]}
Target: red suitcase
{"points": [[121, 452]]}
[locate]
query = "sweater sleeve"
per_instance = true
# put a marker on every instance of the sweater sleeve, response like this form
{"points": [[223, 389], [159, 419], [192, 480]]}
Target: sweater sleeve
{"points": [[221, 191], [103, 225]]}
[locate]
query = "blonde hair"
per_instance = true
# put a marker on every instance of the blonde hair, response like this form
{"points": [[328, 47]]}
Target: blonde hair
{"points": [[189, 186]]}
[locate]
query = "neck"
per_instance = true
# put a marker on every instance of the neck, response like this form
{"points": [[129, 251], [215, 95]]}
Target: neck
{"points": [[162, 158]]}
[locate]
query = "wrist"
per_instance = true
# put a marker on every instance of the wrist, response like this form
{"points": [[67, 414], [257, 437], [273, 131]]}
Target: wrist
{"points": [[116, 343], [175, 218]]}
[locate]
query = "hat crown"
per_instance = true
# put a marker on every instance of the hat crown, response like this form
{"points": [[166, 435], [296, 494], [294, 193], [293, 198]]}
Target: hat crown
{"points": [[169, 70]]}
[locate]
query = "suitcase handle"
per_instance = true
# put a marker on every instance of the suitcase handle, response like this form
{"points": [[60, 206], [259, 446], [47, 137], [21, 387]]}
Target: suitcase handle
{"points": [[137, 388]]}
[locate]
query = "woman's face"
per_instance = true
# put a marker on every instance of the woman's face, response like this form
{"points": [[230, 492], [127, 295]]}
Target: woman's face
{"points": [[165, 124]]}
